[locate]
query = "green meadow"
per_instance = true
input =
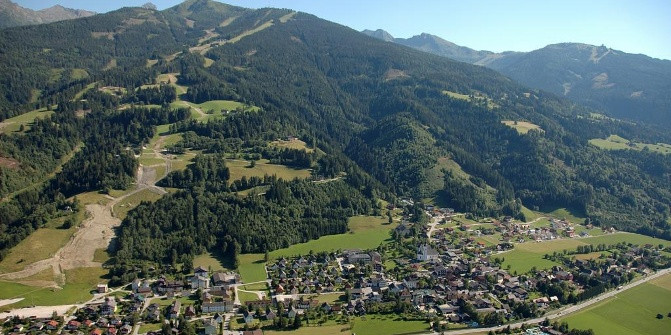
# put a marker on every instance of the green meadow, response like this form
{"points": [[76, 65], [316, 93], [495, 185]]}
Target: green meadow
{"points": [[631, 312]]}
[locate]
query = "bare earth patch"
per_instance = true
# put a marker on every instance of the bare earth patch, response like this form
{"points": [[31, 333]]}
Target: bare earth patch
{"points": [[392, 74], [9, 163]]}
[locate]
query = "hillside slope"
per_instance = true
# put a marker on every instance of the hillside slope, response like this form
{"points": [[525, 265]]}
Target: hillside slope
{"points": [[623, 85]]}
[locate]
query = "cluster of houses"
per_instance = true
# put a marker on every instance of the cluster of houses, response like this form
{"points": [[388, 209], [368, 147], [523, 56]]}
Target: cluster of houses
{"points": [[520, 231], [446, 275]]}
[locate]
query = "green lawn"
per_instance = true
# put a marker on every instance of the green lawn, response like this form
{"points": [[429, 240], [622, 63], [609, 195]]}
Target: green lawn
{"points": [[122, 208], [240, 168], [148, 327], [366, 232], [247, 296], [78, 285], [382, 324], [324, 330], [330, 297], [631, 312], [210, 261], [522, 261], [255, 287], [625, 237], [529, 254], [12, 125], [252, 268]]}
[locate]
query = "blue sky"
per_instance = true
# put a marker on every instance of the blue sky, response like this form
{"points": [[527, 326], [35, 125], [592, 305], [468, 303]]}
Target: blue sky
{"points": [[635, 26]]}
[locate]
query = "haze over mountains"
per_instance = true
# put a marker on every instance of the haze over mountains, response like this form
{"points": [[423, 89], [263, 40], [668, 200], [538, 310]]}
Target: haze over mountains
{"points": [[629, 86], [12, 15]]}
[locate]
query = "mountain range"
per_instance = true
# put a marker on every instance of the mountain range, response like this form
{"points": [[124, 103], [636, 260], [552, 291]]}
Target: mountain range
{"points": [[382, 121], [622, 85], [12, 15]]}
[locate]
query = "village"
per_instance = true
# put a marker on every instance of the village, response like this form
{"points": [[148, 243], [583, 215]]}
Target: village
{"points": [[433, 270]]}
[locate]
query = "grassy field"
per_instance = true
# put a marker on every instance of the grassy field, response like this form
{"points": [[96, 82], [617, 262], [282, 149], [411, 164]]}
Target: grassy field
{"points": [[324, 330], [330, 297], [522, 261], [171, 78], [247, 296], [529, 254], [382, 324], [215, 105], [252, 268], [293, 144], [240, 168], [101, 255], [625, 237], [615, 142], [522, 127], [93, 197], [466, 97], [630, 312], [365, 233], [218, 105], [78, 285], [150, 159], [455, 95], [78, 74], [563, 213], [210, 261], [41, 244], [13, 125], [148, 327], [255, 287], [122, 208]]}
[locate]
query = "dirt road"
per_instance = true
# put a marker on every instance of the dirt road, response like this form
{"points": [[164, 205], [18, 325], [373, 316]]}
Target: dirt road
{"points": [[96, 232]]}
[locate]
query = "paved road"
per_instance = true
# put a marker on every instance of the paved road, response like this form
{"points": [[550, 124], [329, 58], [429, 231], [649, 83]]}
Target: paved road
{"points": [[565, 310]]}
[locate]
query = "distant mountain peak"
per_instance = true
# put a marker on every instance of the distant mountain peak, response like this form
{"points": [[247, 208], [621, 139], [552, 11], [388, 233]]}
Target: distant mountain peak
{"points": [[435, 45], [12, 14], [379, 34], [149, 5]]}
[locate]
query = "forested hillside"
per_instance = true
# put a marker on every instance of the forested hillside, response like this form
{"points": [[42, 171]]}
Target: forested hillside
{"points": [[378, 118], [620, 84]]}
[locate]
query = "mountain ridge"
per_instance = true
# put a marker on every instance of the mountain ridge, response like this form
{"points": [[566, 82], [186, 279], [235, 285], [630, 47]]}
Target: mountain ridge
{"points": [[12, 15], [623, 85]]}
